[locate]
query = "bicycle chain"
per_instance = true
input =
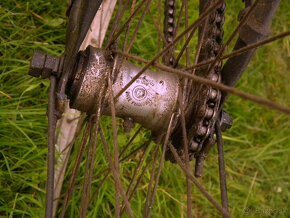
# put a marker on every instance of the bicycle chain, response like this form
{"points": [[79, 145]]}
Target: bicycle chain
{"points": [[207, 112], [169, 30], [203, 110]]}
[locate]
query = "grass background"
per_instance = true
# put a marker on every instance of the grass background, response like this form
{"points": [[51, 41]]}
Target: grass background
{"points": [[256, 148]]}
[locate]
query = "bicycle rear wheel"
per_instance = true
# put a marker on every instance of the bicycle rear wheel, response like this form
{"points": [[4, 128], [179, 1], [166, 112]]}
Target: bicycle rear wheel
{"points": [[93, 136]]}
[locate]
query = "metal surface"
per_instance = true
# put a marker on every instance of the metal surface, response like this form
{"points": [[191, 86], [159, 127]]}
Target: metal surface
{"points": [[222, 171], [69, 123], [169, 29], [43, 65], [148, 101], [256, 29], [148, 97], [81, 14], [50, 155], [200, 115]]}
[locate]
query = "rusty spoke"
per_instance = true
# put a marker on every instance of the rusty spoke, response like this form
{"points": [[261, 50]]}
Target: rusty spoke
{"points": [[50, 155], [196, 183], [154, 154], [150, 184], [198, 79], [185, 47], [138, 26], [117, 20], [148, 206], [91, 157], [241, 50], [185, 142], [192, 26], [186, 36], [131, 141], [137, 169], [127, 23], [116, 175], [75, 169], [232, 36], [88, 171], [105, 171], [179, 17], [115, 139], [222, 171], [108, 102], [157, 26]]}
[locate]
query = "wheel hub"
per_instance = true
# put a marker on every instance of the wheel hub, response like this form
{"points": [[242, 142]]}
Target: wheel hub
{"points": [[150, 100]]}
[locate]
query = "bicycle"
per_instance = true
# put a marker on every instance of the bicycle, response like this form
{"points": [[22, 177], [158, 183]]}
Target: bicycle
{"points": [[140, 94]]}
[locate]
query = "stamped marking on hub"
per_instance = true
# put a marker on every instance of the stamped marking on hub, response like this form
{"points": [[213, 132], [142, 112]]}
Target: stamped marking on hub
{"points": [[139, 93]]}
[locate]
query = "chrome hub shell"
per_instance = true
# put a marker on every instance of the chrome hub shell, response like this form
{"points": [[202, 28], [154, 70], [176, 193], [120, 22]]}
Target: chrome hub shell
{"points": [[150, 100]]}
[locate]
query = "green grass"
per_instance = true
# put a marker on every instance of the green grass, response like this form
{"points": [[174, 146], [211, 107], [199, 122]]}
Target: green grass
{"points": [[256, 148]]}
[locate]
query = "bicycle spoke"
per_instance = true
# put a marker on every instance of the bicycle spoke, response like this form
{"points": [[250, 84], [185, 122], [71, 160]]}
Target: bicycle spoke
{"points": [[111, 41], [115, 174], [51, 142], [94, 195], [115, 139], [197, 55], [179, 17], [159, 27], [185, 142], [148, 206], [105, 171], [91, 157], [241, 50], [88, 172], [60, 171], [192, 26], [129, 25], [160, 35], [198, 79], [136, 171], [150, 185], [232, 36], [131, 141], [185, 47], [154, 154], [195, 182], [75, 169], [117, 21], [222, 173], [186, 25], [138, 26]]}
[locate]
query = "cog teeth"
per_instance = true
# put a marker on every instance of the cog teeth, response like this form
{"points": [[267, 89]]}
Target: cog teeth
{"points": [[214, 77], [202, 130], [171, 11], [171, 3], [209, 113], [221, 9], [170, 29], [213, 94], [171, 20], [193, 146]]}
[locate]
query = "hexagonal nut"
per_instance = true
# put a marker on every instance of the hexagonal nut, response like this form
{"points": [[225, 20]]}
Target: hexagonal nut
{"points": [[49, 66], [37, 63], [225, 121]]}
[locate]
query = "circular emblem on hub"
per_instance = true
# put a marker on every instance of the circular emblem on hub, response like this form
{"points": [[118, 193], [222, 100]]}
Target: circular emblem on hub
{"points": [[139, 93]]}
